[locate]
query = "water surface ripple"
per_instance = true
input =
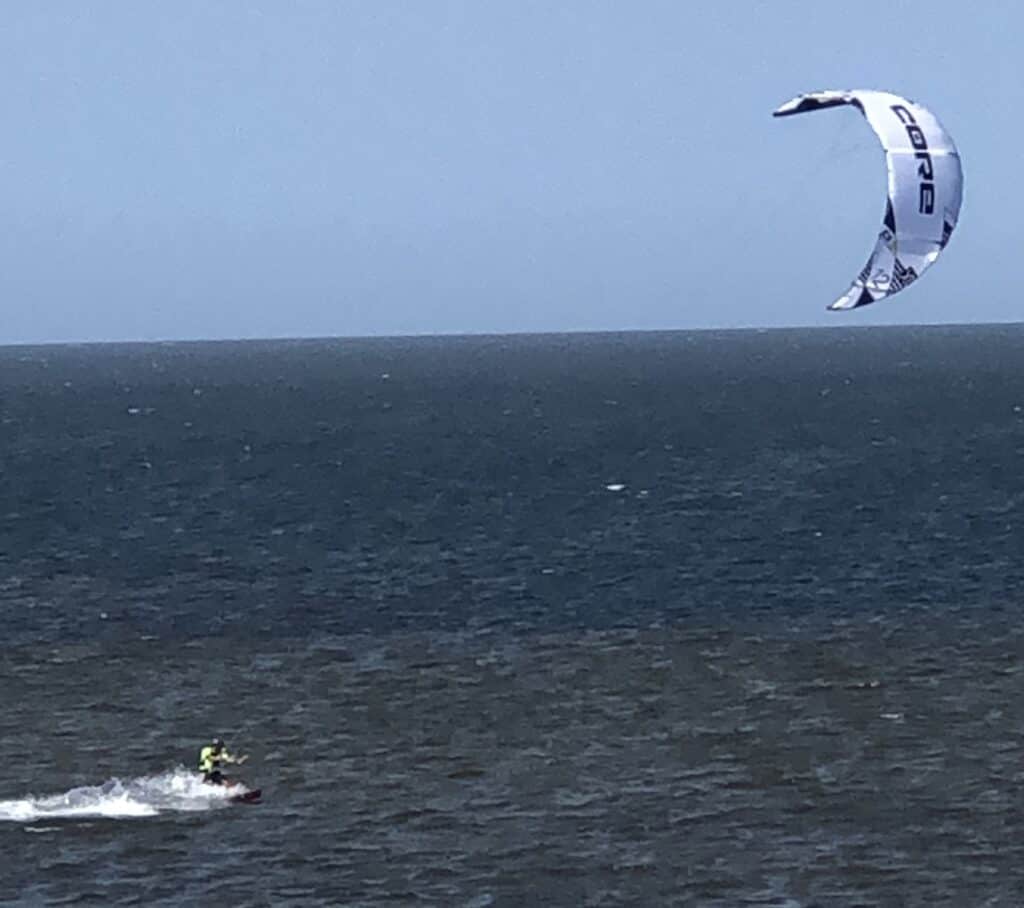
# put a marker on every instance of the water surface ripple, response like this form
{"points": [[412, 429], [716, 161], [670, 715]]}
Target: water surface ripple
{"points": [[717, 619]]}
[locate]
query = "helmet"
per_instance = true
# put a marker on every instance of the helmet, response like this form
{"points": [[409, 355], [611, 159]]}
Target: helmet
{"points": [[217, 742]]}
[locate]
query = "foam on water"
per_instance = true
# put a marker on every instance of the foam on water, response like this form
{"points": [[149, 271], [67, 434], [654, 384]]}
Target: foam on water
{"points": [[145, 796]]}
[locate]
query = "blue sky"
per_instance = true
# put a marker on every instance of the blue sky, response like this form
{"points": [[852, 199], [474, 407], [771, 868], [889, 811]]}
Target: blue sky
{"points": [[264, 169]]}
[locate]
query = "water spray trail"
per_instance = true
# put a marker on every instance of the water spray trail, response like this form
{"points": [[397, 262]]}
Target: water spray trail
{"points": [[174, 791]]}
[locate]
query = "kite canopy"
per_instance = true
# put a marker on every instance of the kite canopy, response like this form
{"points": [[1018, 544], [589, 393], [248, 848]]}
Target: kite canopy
{"points": [[925, 189]]}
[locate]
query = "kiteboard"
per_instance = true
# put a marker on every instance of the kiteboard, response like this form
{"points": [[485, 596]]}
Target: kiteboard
{"points": [[247, 797]]}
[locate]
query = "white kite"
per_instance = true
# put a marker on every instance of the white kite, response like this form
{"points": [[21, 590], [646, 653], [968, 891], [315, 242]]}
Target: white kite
{"points": [[925, 189]]}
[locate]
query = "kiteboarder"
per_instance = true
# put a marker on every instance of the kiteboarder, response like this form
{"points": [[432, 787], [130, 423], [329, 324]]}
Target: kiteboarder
{"points": [[212, 758]]}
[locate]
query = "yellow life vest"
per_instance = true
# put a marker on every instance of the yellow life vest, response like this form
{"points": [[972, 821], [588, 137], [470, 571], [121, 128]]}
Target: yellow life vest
{"points": [[207, 761]]}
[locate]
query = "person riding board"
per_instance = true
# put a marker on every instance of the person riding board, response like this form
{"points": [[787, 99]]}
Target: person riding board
{"points": [[212, 758]]}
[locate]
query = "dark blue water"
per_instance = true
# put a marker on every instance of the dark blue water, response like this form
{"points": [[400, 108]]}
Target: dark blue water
{"points": [[715, 618]]}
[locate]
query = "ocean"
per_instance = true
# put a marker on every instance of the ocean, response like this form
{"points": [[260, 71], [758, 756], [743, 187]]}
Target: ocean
{"points": [[716, 618]]}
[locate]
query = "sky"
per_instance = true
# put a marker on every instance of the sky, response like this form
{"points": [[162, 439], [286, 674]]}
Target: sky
{"points": [[322, 168]]}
